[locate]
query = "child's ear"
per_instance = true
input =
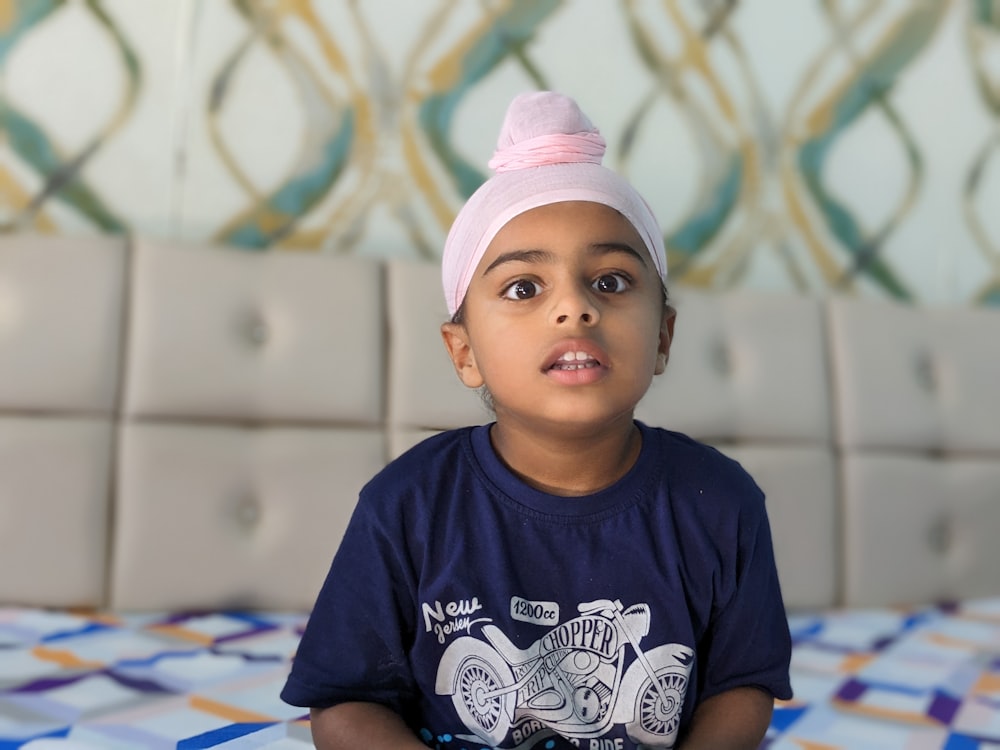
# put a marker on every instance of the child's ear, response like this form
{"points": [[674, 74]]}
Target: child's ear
{"points": [[666, 337], [456, 341]]}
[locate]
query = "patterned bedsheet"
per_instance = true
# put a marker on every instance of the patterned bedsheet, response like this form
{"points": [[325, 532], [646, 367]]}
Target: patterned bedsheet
{"points": [[919, 679], [186, 681], [894, 680]]}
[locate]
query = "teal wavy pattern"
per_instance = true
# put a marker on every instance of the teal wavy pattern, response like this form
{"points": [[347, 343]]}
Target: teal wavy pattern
{"points": [[62, 175], [710, 214], [507, 36], [28, 14], [275, 216], [984, 29], [725, 170], [986, 12], [870, 87], [297, 196]]}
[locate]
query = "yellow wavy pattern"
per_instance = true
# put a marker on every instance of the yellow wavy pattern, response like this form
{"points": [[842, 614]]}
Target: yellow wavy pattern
{"points": [[341, 135], [840, 246], [983, 35], [61, 172], [380, 141], [725, 220]]}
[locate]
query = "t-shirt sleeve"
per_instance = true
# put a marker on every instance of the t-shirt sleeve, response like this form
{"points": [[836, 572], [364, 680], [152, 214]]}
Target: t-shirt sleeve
{"points": [[355, 643], [748, 642]]}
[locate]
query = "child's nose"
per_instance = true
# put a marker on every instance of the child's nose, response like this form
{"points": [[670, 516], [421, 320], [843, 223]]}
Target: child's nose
{"points": [[573, 306]]}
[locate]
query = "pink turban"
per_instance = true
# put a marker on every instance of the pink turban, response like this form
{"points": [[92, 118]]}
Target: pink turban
{"points": [[547, 152]]}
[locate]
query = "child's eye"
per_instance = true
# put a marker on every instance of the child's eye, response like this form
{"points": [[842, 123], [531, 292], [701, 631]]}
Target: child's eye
{"points": [[521, 289], [611, 283]]}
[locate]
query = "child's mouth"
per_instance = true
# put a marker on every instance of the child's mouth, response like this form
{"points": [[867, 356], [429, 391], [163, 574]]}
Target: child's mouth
{"points": [[575, 361]]}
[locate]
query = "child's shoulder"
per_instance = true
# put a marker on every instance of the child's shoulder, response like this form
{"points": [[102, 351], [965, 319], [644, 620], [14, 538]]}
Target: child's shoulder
{"points": [[432, 457], [673, 443], [695, 467]]}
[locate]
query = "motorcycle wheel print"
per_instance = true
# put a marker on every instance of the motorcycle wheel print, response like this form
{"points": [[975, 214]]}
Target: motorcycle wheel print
{"points": [[488, 716], [656, 720]]}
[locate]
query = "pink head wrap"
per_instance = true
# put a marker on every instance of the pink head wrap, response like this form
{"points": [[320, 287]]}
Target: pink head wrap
{"points": [[547, 152]]}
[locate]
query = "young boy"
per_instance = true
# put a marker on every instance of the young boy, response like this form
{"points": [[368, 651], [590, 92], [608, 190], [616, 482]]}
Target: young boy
{"points": [[566, 576]]}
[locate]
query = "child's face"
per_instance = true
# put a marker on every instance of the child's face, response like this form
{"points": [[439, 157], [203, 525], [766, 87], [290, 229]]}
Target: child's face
{"points": [[564, 320]]}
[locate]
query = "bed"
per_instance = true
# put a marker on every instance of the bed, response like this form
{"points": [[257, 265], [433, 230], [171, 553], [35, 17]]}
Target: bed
{"points": [[904, 678], [181, 446]]}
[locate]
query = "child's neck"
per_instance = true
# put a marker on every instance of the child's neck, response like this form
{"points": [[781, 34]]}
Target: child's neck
{"points": [[567, 463]]}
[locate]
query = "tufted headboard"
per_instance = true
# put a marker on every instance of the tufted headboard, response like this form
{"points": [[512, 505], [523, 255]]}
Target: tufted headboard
{"points": [[188, 426]]}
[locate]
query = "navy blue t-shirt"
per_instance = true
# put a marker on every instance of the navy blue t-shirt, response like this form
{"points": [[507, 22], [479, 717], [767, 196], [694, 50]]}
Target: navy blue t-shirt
{"points": [[490, 614]]}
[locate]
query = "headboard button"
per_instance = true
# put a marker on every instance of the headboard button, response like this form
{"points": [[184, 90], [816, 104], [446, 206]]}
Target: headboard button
{"points": [[257, 331], [925, 372], [247, 512], [940, 535], [720, 358]]}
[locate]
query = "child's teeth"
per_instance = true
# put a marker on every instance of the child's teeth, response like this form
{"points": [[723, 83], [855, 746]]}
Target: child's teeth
{"points": [[576, 361]]}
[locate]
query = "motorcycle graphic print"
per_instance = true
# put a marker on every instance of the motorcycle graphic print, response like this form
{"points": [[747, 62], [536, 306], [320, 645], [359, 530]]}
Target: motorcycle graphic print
{"points": [[572, 680]]}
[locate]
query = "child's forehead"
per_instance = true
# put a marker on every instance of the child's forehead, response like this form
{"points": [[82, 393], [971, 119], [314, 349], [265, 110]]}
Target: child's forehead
{"points": [[580, 227]]}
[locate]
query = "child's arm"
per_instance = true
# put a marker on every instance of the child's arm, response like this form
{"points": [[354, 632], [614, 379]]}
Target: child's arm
{"points": [[734, 720], [352, 726]]}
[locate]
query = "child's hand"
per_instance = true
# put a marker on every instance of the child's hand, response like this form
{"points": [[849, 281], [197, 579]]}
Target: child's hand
{"points": [[734, 720], [349, 726]]}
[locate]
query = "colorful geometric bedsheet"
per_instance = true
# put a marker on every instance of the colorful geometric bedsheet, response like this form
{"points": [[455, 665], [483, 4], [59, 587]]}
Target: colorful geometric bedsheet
{"points": [[894, 680], [918, 679]]}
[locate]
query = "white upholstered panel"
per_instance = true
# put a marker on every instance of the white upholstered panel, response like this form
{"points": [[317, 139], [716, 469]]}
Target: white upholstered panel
{"points": [[918, 424], [54, 497], [224, 333], [744, 366], [424, 390], [212, 516], [800, 485], [916, 378], [60, 323], [920, 529], [254, 413]]}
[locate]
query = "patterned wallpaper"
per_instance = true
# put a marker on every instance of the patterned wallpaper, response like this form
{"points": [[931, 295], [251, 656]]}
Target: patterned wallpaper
{"points": [[818, 145]]}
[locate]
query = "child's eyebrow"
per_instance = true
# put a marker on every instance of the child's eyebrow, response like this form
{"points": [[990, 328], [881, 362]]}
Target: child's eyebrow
{"points": [[606, 248], [524, 256], [544, 256]]}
